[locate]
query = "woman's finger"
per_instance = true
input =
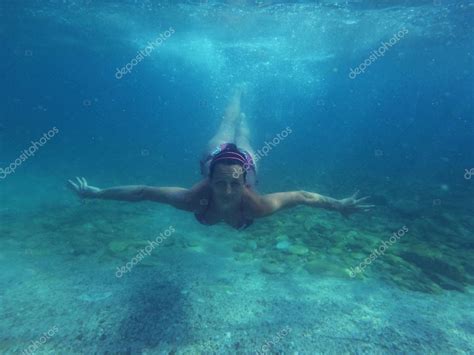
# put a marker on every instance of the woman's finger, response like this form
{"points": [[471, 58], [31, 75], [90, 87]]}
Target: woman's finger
{"points": [[72, 185], [79, 181], [366, 206], [362, 199]]}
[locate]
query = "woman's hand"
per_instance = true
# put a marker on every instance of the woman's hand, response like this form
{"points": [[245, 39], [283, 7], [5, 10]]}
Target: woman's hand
{"points": [[352, 204], [82, 189]]}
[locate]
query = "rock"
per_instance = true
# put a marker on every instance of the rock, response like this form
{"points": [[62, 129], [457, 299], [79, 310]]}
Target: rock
{"points": [[283, 245], [252, 245], [272, 268], [117, 246], [352, 235], [193, 243], [149, 262], [94, 297], [324, 267], [243, 257], [282, 237], [298, 250]]}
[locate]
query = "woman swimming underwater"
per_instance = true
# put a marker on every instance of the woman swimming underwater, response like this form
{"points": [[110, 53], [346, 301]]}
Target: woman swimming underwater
{"points": [[226, 193]]}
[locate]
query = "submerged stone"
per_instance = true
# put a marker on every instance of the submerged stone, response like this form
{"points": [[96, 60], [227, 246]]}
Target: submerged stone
{"points": [[298, 250], [324, 267], [149, 262], [252, 245], [272, 268], [243, 257], [283, 245], [282, 237], [94, 297], [118, 246]]}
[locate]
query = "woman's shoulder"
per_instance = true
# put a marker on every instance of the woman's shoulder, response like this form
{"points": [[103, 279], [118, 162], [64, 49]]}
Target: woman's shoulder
{"points": [[251, 203]]}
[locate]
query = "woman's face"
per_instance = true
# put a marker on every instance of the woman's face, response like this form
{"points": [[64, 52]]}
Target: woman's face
{"points": [[227, 184]]}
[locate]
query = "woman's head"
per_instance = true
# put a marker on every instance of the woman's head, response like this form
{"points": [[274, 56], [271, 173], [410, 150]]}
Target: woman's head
{"points": [[230, 155], [227, 175]]}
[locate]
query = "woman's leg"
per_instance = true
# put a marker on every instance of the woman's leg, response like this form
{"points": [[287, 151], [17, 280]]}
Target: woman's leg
{"points": [[226, 131], [242, 137]]}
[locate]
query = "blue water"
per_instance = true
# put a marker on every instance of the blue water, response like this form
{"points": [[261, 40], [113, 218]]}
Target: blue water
{"points": [[402, 132]]}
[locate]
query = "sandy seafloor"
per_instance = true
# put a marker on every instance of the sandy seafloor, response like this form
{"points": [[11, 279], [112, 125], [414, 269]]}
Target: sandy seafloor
{"points": [[216, 290]]}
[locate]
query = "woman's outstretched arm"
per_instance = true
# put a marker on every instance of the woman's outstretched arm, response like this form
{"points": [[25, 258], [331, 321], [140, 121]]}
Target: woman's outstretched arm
{"points": [[271, 203], [175, 196]]}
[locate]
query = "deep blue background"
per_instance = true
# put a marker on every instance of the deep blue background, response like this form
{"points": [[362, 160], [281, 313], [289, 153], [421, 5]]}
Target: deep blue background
{"points": [[414, 105]]}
